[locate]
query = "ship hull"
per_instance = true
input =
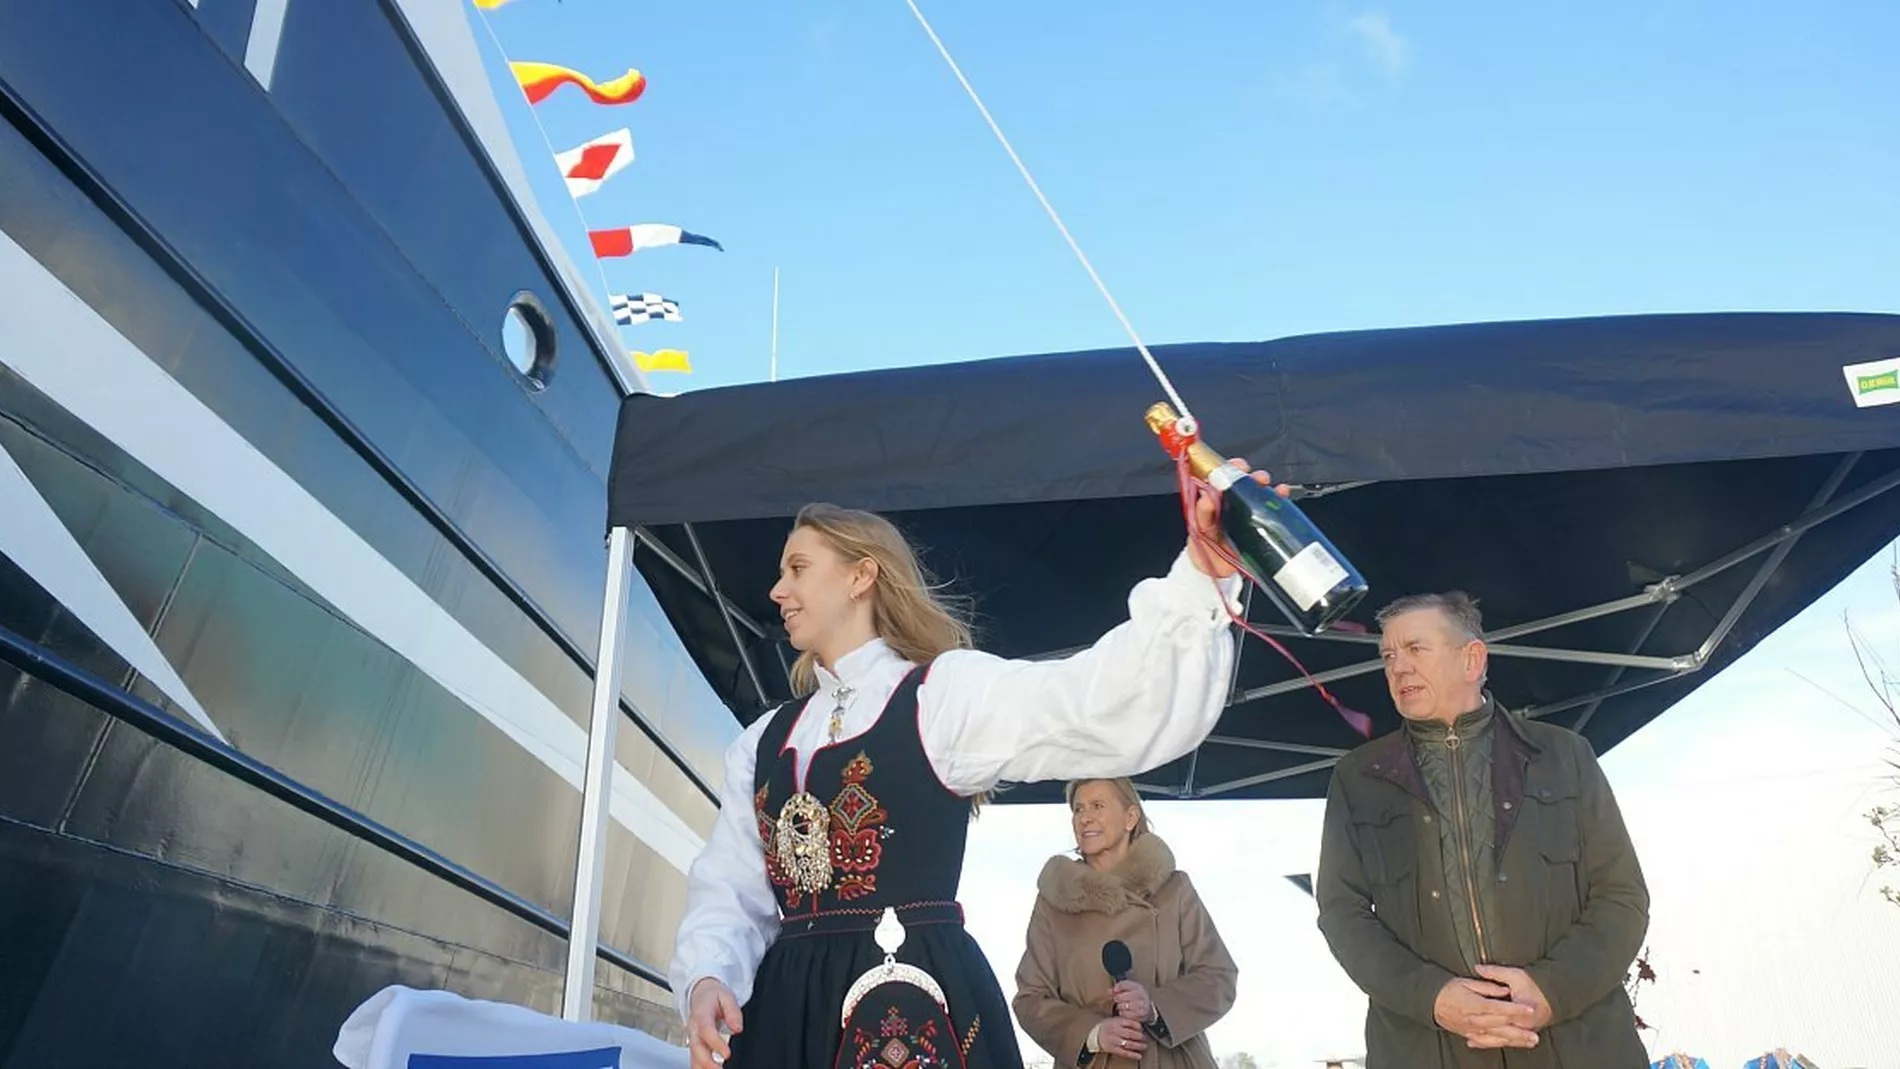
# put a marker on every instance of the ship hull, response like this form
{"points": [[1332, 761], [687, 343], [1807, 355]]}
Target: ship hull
{"points": [[266, 464]]}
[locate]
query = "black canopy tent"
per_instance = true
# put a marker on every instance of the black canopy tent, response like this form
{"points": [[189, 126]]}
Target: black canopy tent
{"points": [[1636, 501]]}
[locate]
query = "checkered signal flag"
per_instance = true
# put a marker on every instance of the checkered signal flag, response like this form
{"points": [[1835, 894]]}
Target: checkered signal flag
{"points": [[632, 308]]}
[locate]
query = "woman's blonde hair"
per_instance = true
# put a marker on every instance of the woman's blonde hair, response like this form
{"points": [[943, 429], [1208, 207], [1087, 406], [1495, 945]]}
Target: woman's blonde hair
{"points": [[1124, 789], [909, 610]]}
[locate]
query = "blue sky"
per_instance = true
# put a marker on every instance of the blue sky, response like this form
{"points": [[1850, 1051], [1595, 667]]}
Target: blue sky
{"points": [[1236, 170]]}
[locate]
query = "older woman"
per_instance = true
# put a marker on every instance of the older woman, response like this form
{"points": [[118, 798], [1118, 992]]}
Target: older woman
{"points": [[1123, 888]]}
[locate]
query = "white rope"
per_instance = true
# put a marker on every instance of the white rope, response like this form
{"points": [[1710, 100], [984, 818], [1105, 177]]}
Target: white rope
{"points": [[618, 349], [1180, 406]]}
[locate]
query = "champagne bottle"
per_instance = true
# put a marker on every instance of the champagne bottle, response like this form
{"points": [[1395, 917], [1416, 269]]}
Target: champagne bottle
{"points": [[1282, 550]]}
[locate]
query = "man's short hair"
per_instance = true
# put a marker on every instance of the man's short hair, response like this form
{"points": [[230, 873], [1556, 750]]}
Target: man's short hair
{"points": [[1460, 608]]}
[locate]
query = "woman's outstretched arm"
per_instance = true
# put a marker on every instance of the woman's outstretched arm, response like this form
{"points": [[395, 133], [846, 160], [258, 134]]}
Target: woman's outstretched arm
{"points": [[1144, 694]]}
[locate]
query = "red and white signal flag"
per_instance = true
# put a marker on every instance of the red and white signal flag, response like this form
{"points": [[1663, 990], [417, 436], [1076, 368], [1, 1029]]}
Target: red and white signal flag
{"points": [[587, 167]]}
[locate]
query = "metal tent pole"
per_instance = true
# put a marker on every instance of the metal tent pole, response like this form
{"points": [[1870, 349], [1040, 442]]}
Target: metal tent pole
{"points": [[577, 996]]}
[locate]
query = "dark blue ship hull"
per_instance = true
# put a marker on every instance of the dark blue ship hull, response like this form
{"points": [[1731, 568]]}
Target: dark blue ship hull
{"points": [[369, 546]]}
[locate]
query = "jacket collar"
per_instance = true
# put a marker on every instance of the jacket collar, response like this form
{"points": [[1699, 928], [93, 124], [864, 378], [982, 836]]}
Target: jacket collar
{"points": [[1391, 758], [1073, 886], [1468, 726]]}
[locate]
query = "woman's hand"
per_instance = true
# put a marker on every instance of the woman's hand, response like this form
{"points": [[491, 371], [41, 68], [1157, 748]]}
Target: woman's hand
{"points": [[1132, 1002], [711, 1005], [1207, 526], [1121, 1037]]}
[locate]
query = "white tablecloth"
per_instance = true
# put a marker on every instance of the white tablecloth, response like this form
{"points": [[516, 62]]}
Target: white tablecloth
{"points": [[403, 1028]]}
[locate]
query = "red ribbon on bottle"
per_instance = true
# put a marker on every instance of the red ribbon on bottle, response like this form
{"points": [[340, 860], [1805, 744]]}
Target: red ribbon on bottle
{"points": [[1192, 488], [1177, 436]]}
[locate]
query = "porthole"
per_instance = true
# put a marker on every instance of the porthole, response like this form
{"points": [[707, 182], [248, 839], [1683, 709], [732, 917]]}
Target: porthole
{"points": [[527, 337]]}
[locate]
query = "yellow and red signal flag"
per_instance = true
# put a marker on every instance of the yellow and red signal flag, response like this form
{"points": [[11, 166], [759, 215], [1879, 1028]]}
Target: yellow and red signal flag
{"points": [[539, 80]]}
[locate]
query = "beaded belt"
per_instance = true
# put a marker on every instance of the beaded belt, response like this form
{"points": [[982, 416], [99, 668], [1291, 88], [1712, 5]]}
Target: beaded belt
{"points": [[835, 921]]}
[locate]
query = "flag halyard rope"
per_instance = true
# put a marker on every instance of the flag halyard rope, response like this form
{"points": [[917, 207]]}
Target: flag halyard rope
{"points": [[1114, 305]]}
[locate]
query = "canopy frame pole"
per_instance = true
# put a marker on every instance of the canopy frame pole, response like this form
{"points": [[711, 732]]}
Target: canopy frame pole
{"points": [[1807, 521], [1665, 590], [1269, 777], [665, 553], [1616, 673], [1684, 662], [725, 613], [1305, 493], [1780, 553], [1777, 543], [1534, 712], [1287, 686], [1529, 653], [577, 992], [1538, 712], [1233, 687], [1829, 488], [1277, 747], [1194, 763]]}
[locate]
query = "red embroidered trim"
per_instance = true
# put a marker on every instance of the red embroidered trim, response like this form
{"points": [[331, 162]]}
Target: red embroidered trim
{"points": [[880, 912]]}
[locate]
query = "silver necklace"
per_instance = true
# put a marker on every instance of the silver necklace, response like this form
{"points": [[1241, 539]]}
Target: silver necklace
{"points": [[841, 696]]}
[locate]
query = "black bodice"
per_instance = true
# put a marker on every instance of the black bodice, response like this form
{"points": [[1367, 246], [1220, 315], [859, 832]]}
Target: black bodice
{"points": [[877, 827]]}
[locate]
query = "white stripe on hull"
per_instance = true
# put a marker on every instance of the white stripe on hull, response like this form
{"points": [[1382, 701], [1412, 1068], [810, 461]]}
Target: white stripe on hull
{"points": [[33, 537], [66, 350]]}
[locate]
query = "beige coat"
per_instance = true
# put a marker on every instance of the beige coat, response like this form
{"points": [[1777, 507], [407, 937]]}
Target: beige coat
{"points": [[1062, 991]]}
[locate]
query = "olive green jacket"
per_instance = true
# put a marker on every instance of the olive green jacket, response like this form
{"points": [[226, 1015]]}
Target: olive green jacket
{"points": [[1571, 907], [1458, 782]]}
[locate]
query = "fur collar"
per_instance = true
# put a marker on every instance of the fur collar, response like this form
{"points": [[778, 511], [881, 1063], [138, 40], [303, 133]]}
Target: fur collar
{"points": [[1071, 886]]}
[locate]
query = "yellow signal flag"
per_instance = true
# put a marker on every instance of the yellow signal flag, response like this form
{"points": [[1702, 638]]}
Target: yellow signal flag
{"points": [[664, 360]]}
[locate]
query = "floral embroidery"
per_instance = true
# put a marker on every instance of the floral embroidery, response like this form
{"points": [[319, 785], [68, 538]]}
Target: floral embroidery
{"points": [[857, 818], [894, 1044], [853, 806], [859, 826], [858, 852], [858, 769]]}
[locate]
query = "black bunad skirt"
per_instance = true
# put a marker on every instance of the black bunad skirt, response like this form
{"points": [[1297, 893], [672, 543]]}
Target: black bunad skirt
{"points": [[792, 1020]]}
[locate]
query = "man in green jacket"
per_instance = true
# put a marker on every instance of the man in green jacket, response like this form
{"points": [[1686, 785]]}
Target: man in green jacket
{"points": [[1475, 876]]}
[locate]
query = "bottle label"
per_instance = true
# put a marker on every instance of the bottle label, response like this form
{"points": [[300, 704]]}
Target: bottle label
{"points": [[1309, 575]]}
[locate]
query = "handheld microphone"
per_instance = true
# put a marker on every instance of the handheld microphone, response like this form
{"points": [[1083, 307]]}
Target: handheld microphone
{"points": [[1117, 960]]}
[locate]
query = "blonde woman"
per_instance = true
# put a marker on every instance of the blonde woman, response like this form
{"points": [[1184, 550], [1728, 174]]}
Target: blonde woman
{"points": [[1123, 887], [857, 798]]}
